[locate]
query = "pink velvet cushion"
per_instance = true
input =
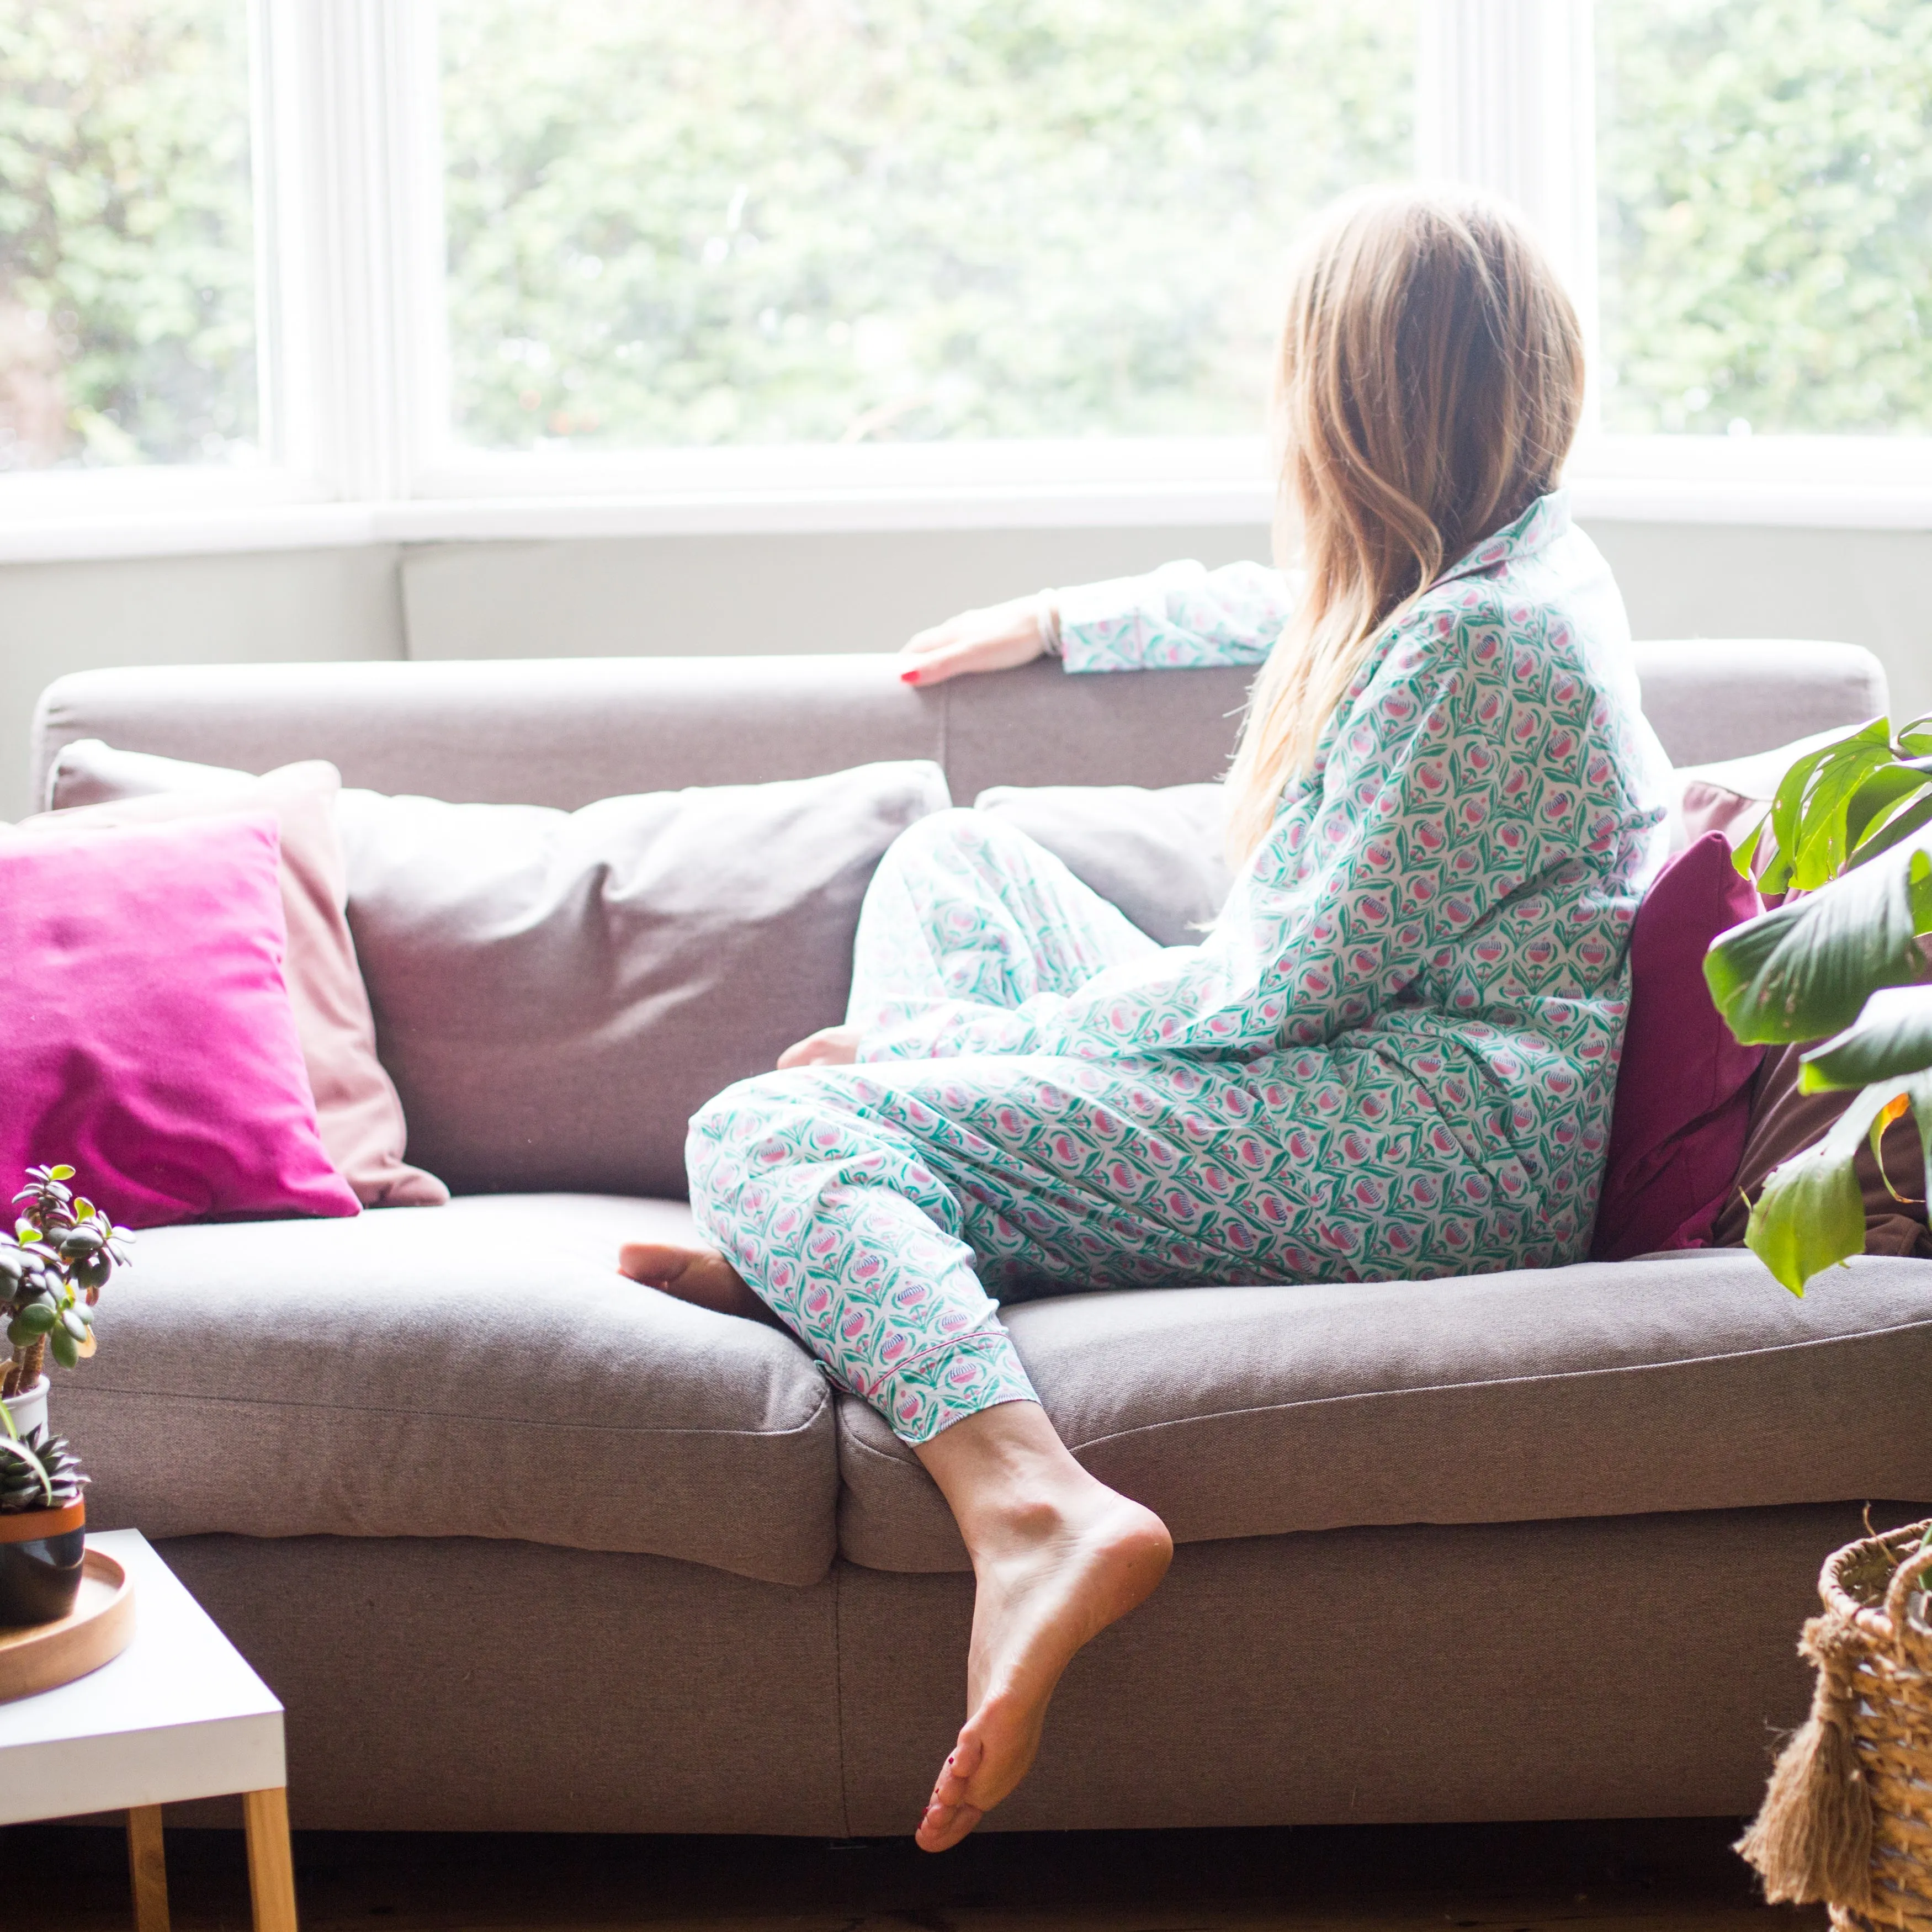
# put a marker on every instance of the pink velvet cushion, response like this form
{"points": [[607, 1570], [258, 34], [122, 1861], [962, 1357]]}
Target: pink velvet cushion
{"points": [[145, 1031], [1684, 1087], [356, 1106]]}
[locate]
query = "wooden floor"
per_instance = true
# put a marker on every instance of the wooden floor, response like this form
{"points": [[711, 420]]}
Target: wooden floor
{"points": [[1678, 1876]]}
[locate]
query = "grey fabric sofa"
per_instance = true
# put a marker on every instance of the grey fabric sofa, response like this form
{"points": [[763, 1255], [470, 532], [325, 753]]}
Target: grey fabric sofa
{"points": [[522, 1546]]}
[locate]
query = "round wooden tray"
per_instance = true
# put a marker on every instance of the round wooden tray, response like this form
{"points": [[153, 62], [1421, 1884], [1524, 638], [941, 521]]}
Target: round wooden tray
{"points": [[99, 1627]]}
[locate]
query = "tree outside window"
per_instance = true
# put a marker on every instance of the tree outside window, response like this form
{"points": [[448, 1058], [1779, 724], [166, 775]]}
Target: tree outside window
{"points": [[127, 243], [1765, 170]]}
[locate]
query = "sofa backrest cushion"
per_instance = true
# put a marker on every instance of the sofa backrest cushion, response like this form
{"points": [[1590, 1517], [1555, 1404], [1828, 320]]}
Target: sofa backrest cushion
{"points": [[1155, 853], [556, 992]]}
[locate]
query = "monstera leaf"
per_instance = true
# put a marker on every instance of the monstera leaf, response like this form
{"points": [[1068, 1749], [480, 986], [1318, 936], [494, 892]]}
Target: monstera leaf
{"points": [[1811, 1214], [1805, 968], [1841, 805], [1892, 1035], [1851, 830]]}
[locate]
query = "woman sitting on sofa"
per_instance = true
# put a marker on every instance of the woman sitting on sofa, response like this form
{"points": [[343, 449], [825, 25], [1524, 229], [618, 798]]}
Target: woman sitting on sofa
{"points": [[1393, 1055]]}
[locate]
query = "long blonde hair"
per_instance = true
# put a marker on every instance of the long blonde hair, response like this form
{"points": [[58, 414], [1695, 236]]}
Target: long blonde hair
{"points": [[1429, 382]]}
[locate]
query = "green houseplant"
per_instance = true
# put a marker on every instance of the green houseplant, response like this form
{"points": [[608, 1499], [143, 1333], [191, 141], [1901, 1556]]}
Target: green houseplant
{"points": [[1847, 1819], [62, 1251], [1848, 837], [52, 1271]]}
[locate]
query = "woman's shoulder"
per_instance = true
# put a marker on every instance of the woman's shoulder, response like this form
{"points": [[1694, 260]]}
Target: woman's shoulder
{"points": [[1532, 650], [1547, 615]]}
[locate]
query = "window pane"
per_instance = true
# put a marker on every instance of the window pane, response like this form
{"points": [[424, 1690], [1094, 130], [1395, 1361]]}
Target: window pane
{"points": [[1767, 214], [127, 245], [771, 220]]}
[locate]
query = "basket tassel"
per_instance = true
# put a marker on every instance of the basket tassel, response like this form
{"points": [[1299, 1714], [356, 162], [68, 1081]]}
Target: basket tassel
{"points": [[1811, 1841]]}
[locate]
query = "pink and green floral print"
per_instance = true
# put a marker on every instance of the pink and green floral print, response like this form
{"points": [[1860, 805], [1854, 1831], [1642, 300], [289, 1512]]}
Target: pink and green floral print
{"points": [[1393, 1055], [1178, 617]]}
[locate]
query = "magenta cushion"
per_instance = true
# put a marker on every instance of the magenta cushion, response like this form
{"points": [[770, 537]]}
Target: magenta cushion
{"points": [[145, 1034], [1684, 1085]]}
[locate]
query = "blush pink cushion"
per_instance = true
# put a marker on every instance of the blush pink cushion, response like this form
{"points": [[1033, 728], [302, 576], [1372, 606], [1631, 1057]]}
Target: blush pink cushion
{"points": [[145, 1033], [1684, 1085], [356, 1105]]}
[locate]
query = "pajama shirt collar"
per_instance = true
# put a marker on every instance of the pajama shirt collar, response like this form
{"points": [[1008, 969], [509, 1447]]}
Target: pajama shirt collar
{"points": [[1539, 526]]}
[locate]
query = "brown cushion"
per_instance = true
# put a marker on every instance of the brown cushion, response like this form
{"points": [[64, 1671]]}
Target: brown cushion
{"points": [[556, 992], [479, 1369], [1784, 1122], [1690, 1381]]}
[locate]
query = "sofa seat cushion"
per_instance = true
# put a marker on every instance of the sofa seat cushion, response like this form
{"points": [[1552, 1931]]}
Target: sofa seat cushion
{"points": [[476, 1370], [1685, 1381]]}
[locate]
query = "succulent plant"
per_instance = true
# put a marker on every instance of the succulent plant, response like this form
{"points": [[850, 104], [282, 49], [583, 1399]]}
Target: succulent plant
{"points": [[37, 1471], [63, 1250]]}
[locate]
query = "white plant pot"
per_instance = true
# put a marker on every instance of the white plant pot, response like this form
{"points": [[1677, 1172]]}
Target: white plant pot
{"points": [[29, 1408]]}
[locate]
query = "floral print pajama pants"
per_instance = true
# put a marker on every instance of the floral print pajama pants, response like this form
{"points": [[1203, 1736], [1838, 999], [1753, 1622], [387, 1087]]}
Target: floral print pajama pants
{"points": [[879, 1209]]}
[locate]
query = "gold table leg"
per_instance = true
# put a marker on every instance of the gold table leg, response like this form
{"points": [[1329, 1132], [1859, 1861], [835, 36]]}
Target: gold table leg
{"points": [[148, 1868], [271, 1870]]}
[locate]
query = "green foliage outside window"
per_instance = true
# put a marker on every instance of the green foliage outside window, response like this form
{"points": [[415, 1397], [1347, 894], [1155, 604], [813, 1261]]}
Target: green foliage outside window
{"points": [[741, 220], [757, 220], [127, 250], [1765, 168]]}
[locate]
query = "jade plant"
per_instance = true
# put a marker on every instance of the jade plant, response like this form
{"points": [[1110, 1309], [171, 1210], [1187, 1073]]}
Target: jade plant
{"points": [[1849, 839], [52, 1272]]}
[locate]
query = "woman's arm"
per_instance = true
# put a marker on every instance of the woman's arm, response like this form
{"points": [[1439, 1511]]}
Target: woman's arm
{"points": [[1180, 615], [1445, 790]]}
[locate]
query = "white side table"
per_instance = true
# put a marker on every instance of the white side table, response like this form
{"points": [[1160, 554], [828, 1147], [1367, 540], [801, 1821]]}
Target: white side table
{"points": [[177, 1715]]}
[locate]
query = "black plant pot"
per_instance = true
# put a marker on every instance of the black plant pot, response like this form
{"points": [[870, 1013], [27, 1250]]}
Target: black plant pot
{"points": [[39, 1575]]}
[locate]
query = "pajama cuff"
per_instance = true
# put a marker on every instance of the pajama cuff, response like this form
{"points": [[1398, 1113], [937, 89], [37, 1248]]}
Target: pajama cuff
{"points": [[947, 1384]]}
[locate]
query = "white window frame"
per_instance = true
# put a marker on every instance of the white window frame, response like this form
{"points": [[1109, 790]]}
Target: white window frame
{"points": [[355, 382]]}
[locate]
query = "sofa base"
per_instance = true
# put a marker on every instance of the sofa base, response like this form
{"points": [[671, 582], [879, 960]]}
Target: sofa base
{"points": [[1612, 1667], [451, 1684]]}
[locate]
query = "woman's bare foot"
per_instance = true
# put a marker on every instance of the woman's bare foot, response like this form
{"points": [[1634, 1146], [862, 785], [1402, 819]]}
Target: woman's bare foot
{"points": [[829, 1046], [699, 1275], [1057, 1556]]}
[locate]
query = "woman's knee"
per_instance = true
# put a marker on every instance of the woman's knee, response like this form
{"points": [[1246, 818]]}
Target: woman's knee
{"points": [[960, 840], [766, 1121], [964, 856], [941, 837], [722, 1137], [743, 1112]]}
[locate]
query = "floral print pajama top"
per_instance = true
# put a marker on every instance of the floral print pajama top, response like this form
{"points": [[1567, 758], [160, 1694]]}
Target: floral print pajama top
{"points": [[1393, 1056]]}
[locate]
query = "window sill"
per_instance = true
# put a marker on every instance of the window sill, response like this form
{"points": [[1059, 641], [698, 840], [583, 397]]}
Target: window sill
{"points": [[1808, 483]]}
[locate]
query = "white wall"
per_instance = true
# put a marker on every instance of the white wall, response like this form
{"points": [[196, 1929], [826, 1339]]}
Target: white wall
{"points": [[703, 594], [297, 604], [1864, 587], [763, 594]]}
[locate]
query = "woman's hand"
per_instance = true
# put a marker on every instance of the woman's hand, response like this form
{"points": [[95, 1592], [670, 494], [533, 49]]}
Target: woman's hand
{"points": [[829, 1046], [1000, 637]]}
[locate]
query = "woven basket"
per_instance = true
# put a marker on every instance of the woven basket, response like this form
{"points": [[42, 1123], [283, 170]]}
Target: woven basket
{"points": [[1848, 1818]]}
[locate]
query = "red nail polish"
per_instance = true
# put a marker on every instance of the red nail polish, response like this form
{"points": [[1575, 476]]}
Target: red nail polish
{"points": [[908, 677]]}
